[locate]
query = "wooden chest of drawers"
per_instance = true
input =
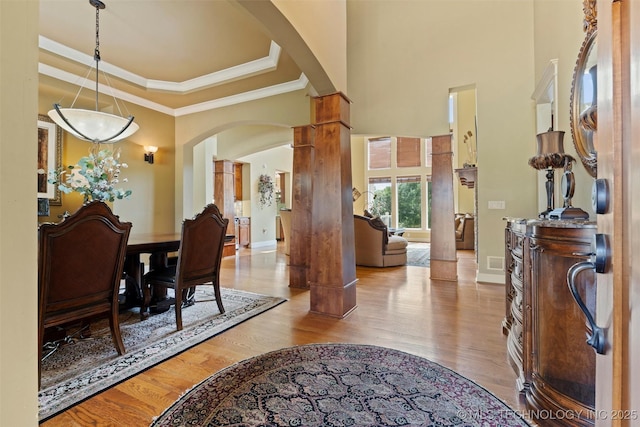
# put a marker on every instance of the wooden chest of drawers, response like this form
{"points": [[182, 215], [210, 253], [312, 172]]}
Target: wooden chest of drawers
{"points": [[545, 328]]}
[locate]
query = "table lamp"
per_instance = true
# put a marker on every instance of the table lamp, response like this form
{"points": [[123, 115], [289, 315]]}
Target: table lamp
{"points": [[550, 156], [568, 186]]}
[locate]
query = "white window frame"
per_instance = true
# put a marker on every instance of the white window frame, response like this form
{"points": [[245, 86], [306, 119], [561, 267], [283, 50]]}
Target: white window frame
{"points": [[394, 172]]}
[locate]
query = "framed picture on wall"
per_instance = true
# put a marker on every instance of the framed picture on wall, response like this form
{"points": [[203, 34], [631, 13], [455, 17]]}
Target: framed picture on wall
{"points": [[43, 207], [49, 158]]}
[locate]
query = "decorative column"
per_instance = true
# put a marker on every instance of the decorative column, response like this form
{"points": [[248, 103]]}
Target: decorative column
{"points": [[301, 205], [224, 190], [332, 270], [444, 262]]}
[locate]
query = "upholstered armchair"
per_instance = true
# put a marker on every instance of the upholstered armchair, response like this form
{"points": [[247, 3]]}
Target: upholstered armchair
{"points": [[465, 233], [374, 246]]}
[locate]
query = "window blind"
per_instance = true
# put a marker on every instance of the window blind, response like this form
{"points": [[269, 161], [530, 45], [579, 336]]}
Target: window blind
{"points": [[380, 153], [408, 152]]}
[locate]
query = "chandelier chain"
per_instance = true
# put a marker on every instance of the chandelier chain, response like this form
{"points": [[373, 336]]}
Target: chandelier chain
{"points": [[96, 54], [94, 126]]}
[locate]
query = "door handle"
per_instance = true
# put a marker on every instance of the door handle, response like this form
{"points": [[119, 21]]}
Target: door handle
{"points": [[599, 263], [596, 339]]}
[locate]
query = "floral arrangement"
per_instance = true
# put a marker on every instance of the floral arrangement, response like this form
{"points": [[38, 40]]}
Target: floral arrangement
{"points": [[95, 176], [265, 188]]}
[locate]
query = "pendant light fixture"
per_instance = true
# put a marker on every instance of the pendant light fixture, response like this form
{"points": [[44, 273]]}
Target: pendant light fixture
{"points": [[93, 125]]}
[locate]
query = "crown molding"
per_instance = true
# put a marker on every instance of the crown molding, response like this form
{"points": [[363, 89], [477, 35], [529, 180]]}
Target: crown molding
{"points": [[238, 72], [253, 95], [74, 79], [547, 85]]}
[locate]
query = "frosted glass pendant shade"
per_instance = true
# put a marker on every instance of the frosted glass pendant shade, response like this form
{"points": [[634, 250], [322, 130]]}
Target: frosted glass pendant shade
{"points": [[93, 126]]}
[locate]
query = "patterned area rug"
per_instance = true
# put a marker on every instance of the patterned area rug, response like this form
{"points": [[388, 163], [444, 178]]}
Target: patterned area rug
{"points": [[419, 254], [89, 366], [338, 385]]}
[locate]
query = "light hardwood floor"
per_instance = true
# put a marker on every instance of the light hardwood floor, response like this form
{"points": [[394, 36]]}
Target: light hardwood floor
{"points": [[456, 325]]}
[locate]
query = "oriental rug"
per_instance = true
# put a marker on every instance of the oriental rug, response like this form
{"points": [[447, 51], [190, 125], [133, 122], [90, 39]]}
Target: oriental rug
{"points": [[80, 370], [419, 254], [338, 385]]}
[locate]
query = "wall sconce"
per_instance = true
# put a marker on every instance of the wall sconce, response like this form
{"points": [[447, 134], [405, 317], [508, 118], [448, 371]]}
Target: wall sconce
{"points": [[149, 151]]}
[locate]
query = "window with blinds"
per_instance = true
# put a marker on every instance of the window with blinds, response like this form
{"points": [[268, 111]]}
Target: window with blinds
{"points": [[408, 152], [428, 153], [397, 173], [380, 153]]}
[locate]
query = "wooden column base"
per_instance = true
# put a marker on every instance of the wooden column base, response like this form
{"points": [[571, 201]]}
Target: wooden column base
{"points": [[298, 276], [333, 301], [444, 270]]}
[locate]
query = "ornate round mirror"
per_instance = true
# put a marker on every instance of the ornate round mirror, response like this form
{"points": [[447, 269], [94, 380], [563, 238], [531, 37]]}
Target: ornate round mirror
{"points": [[583, 102]]}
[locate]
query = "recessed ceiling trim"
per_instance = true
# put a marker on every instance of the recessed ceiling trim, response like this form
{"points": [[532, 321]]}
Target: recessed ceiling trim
{"points": [[87, 60], [74, 79], [252, 95], [238, 72]]}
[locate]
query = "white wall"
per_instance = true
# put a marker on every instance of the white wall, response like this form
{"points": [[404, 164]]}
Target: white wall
{"points": [[263, 225]]}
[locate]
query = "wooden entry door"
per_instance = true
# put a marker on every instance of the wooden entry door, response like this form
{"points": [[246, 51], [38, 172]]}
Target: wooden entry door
{"points": [[618, 144]]}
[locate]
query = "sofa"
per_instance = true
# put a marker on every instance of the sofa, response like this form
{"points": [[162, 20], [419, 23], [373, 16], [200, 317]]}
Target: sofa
{"points": [[374, 246], [465, 231]]}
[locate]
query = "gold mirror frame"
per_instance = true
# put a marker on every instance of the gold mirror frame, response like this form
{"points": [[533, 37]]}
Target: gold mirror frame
{"points": [[583, 118]]}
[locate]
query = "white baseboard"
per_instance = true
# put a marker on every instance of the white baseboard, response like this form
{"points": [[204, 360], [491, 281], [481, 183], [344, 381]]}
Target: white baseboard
{"points": [[264, 244], [417, 239], [490, 278]]}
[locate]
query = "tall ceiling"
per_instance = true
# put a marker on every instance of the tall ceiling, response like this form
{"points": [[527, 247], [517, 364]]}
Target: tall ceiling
{"points": [[174, 56]]}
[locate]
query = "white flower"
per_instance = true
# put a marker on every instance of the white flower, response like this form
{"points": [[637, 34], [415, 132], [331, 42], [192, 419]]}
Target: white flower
{"points": [[94, 177]]}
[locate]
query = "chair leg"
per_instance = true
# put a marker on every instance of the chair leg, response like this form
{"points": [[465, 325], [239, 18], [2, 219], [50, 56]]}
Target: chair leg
{"points": [[216, 289], [178, 305], [40, 343], [114, 324], [146, 300]]}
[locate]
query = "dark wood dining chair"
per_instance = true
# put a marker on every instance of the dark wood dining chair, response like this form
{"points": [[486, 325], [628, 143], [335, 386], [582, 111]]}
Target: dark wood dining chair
{"points": [[198, 263], [80, 262]]}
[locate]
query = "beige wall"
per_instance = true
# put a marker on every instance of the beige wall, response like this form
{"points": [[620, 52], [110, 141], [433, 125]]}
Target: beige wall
{"points": [[18, 238], [405, 56], [291, 109], [312, 19], [150, 206], [558, 35]]}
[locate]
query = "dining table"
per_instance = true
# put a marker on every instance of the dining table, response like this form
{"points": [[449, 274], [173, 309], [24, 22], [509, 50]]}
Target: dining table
{"points": [[158, 246]]}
